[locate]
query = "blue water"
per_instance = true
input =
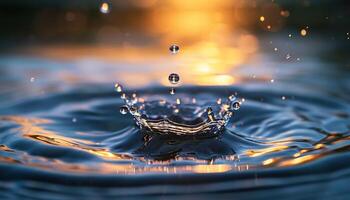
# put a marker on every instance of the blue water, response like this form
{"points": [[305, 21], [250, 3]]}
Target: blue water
{"points": [[64, 138]]}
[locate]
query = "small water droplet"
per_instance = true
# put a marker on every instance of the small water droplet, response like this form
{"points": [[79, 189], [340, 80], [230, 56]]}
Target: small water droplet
{"points": [[118, 87], [262, 18], [283, 98], [275, 49], [32, 79], [74, 120], [288, 56], [104, 8], [194, 101], [303, 32], [236, 105], [218, 101], [174, 49], [232, 97], [272, 80], [172, 91], [178, 101], [123, 110], [174, 78]]}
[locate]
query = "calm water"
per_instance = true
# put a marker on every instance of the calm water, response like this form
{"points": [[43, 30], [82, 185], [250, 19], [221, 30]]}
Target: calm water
{"points": [[62, 135]]}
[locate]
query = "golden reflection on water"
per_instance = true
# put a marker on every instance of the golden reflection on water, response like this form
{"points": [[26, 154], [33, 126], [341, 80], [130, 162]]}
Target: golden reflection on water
{"points": [[32, 128]]}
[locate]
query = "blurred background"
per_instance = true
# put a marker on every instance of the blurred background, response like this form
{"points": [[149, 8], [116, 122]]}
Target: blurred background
{"points": [[58, 44]]}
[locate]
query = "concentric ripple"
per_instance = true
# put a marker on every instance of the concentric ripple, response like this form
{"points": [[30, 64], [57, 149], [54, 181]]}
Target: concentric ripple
{"points": [[80, 137]]}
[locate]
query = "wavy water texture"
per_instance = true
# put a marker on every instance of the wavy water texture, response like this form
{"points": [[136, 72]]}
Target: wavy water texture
{"points": [[291, 137]]}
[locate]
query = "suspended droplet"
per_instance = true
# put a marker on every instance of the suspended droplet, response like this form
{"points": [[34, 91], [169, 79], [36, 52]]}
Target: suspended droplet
{"points": [[194, 101], [32, 79], [174, 78], [123, 110], [118, 87], [174, 49], [232, 97], [74, 120], [262, 18], [303, 32], [172, 91], [288, 56], [218, 101], [236, 105], [104, 8]]}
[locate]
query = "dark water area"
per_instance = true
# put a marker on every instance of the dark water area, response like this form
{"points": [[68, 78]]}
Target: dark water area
{"points": [[289, 140]]}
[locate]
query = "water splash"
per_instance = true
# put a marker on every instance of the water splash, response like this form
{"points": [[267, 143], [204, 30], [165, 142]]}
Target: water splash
{"points": [[183, 116]]}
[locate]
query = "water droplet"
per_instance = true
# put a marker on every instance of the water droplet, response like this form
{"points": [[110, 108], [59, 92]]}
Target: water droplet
{"points": [[174, 78], [303, 32], [174, 49], [275, 49], [232, 97], [288, 56], [178, 101], [283, 98], [32, 79], [172, 91], [74, 120], [104, 8], [218, 101], [194, 101], [272, 80], [118, 87], [123, 110], [236, 105]]}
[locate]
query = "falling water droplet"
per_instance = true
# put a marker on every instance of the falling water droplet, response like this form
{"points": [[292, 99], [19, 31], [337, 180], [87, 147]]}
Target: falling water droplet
{"points": [[194, 101], [74, 120], [118, 87], [288, 56], [123, 110], [236, 105], [174, 49], [174, 78], [232, 97], [32, 79], [172, 91], [104, 8], [178, 101], [303, 32], [262, 18]]}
